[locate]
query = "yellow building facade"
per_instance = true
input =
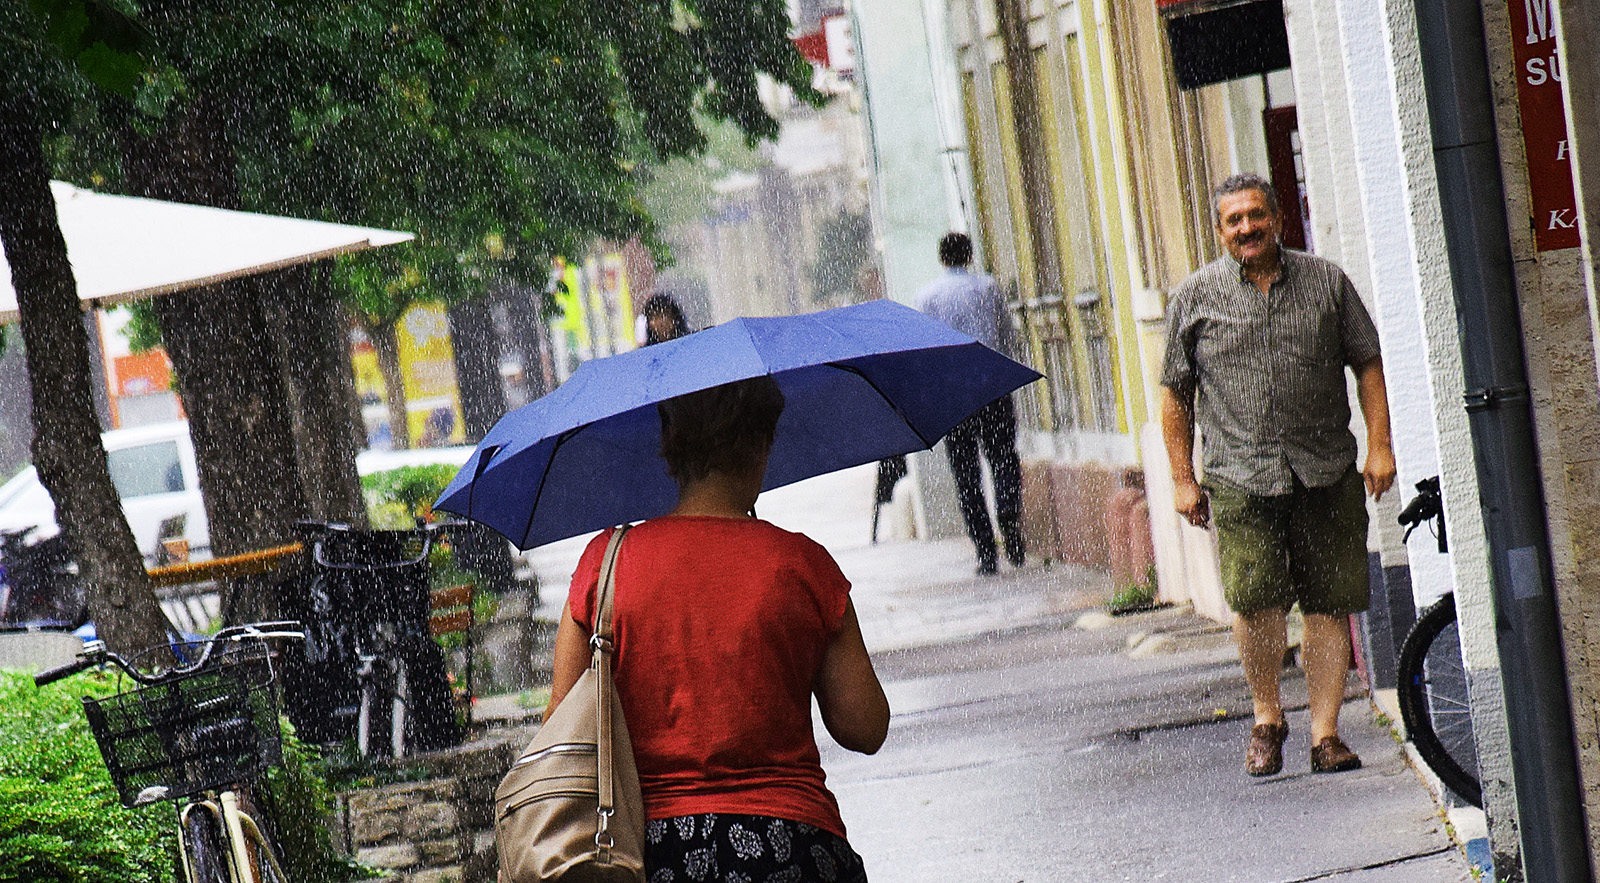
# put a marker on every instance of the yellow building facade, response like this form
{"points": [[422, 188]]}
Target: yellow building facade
{"points": [[1091, 177]]}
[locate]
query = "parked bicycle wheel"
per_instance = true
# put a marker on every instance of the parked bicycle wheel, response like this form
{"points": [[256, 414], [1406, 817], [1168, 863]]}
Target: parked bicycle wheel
{"points": [[204, 850], [1434, 700]]}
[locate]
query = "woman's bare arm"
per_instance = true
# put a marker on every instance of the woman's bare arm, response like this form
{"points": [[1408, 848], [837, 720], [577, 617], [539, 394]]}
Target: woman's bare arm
{"points": [[572, 656], [854, 709]]}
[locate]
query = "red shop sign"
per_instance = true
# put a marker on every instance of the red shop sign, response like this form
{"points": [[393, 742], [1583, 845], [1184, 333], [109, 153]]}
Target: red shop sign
{"points": [[1544, 124]]}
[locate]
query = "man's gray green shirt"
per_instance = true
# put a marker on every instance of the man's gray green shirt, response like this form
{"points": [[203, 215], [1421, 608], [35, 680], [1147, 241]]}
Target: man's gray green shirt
{"points": [[1267, 370]]}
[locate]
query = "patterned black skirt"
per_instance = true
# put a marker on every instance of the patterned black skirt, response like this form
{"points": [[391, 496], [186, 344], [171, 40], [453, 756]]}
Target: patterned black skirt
{"points": [[727, 848]]}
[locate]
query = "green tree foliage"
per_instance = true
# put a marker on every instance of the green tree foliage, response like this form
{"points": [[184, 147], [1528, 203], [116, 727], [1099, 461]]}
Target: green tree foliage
{"points": [[502, 133], [103, 41]]}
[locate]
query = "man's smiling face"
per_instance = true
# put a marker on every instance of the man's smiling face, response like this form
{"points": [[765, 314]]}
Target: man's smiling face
{"points": [[1248, 226]]}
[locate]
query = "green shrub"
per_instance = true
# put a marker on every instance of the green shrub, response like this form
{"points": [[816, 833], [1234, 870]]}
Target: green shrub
{"points": [[300, 801], [60, 819], [396, 498]]}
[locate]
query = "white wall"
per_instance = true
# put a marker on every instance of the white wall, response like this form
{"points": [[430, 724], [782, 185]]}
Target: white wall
{"points": [[1392, 264]]}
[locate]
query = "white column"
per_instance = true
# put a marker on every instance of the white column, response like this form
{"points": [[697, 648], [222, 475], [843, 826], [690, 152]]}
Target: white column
{"points": [[1469, 555], [1392, 260]]}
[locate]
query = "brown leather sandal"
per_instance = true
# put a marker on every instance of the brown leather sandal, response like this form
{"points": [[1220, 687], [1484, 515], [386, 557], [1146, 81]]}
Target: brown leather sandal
{"points": [[1331, 755], [1265, 757]]}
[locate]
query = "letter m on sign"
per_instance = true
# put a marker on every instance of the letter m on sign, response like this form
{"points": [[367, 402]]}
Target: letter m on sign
{"points": [[1539, 27]]}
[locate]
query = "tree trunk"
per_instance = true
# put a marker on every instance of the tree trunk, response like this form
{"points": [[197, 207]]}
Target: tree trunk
{"points": [[225, 361], [66, 436], [476, 346], [386, 345], [314, 344], [528, 332]]}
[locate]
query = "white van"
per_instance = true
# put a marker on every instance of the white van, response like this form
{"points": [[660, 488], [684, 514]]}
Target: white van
{"points": [[153, 469]]}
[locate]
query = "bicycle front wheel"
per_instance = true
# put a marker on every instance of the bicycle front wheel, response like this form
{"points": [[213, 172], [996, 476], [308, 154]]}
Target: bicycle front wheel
{"points": [[1434, 700], [204, 852]]}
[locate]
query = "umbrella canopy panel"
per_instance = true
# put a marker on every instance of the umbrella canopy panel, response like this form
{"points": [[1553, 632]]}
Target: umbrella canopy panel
{"points": [[125, 248], [860, 384]]}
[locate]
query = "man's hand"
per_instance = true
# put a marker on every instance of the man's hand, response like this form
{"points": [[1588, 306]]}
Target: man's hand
{"points": [[1379, 471], [1192, 503]]}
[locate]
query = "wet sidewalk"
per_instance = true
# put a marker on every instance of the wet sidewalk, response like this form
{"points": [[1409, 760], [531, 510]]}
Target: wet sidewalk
{"points": [[1035, 738], [908, 593]]}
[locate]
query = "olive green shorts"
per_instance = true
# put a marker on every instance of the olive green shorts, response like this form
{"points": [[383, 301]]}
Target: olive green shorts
{"points": [[1307, 546]]}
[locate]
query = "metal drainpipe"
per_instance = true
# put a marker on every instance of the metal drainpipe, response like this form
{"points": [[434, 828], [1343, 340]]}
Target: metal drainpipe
{"points": [[1528, 631]]}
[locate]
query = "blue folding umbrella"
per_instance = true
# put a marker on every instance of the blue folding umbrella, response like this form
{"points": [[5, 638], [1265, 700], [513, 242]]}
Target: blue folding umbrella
{"points": [[860, 383]]}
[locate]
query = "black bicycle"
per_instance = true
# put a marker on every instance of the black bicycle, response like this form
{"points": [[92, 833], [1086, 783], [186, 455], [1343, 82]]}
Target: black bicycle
{"points": [[1433, 691], [196, 734], [39, 584], [372, 663]]}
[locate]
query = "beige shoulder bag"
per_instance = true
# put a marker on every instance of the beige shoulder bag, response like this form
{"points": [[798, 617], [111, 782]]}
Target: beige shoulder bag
{"points": [[570, 808]]}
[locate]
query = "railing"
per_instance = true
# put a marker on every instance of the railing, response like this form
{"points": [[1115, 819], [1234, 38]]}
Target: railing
{"points": [[188, 592]]}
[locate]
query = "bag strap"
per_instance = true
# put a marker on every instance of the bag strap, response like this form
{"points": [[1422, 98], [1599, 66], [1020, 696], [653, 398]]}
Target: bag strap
{"points": [[608, 580], [601, 644]]}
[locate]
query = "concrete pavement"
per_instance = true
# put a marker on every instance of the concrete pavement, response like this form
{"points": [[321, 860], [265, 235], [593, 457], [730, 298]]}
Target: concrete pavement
{"points": [[1034, 739]]}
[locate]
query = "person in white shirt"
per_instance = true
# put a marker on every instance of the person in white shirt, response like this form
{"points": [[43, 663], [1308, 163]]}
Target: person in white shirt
{"points": [[973, 304]]}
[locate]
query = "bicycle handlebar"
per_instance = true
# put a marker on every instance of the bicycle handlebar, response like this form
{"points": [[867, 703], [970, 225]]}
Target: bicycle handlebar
{"points": [[426, 531], [46, 678], [96, 653]]}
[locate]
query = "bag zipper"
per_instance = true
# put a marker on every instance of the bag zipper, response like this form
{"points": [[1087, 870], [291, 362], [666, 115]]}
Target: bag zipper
{"points": [[513, 807], [564, 748]]}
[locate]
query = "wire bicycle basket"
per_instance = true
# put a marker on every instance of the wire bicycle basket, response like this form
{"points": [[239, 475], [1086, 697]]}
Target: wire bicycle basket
{"points": [[195, 732]]}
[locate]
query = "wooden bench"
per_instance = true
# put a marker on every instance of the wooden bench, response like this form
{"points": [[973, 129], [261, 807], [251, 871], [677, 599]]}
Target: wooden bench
{"points": [[452, 614], [226, 567]]}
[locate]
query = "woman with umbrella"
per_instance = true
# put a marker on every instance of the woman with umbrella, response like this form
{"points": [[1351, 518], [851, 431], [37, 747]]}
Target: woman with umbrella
{"points": [[724, 627]]}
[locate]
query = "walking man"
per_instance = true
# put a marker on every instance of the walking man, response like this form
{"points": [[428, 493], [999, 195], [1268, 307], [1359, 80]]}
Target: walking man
{"points": [[1257, 344], [972, 304]]}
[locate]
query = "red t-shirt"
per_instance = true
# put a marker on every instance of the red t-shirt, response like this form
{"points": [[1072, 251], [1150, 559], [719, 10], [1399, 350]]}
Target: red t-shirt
{"points": [[720, 626]]}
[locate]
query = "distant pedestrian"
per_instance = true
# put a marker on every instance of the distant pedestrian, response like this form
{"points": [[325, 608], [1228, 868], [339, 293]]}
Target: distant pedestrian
{"points": [[972, 304], [1257, 345], [663, 319]]}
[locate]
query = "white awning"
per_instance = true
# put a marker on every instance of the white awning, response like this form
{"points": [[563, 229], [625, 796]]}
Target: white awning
{"points": [[124, 248]]}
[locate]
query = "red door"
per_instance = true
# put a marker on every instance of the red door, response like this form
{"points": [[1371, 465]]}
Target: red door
{"points": [[1287, 170]]}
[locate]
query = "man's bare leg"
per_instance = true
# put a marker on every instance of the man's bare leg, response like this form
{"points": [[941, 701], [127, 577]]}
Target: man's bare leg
{"points": [[1326, 658], [1262, 638]]}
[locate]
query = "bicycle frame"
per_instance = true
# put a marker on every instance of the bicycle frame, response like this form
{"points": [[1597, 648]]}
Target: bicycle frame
{"points": [[239, 835], [384, 653], [239, 831], [382, 675]]}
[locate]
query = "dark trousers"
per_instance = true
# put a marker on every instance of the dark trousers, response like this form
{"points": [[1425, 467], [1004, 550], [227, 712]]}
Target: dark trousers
{"points": [[993, 430]]}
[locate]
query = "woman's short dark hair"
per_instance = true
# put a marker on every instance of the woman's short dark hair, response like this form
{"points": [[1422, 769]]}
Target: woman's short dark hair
{"points": [[725, 428], [664, 305]]}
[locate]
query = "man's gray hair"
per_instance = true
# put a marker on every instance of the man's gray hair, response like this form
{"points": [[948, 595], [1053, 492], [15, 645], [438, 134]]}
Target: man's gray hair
{"points": [[1237, 184]]}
